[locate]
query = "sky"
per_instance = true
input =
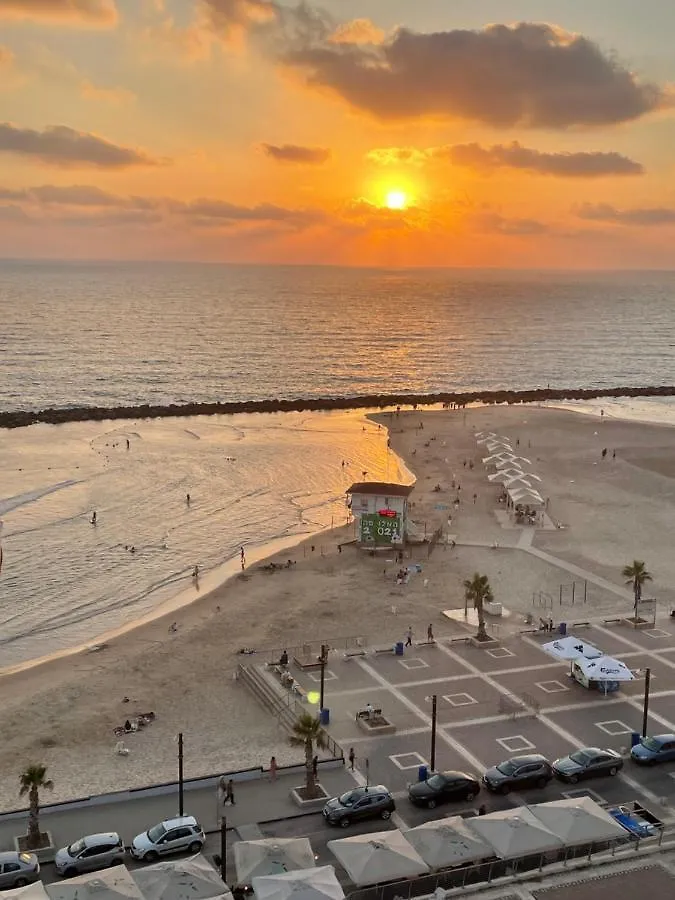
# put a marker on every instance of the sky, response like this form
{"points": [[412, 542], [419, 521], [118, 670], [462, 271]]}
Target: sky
{"points": [[506, 133]]}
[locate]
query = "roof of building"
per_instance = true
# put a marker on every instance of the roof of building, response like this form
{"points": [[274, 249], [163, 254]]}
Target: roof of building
{"points": [[381, 488]]}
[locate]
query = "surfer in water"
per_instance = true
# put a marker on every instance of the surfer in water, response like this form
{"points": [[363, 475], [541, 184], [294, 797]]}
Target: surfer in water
{"points": [[93, 518]]}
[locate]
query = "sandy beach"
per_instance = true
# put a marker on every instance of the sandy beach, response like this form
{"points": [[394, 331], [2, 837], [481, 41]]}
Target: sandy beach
{"points": [[613, 509]]}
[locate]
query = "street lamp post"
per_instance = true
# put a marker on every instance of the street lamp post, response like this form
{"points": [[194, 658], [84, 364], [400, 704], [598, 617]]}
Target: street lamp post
{"points": [[324, 651], [223, 847], [433, 733], [645, 708], [180, 773]]}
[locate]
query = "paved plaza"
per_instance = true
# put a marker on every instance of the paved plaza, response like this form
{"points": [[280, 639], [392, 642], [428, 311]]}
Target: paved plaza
{"points": [[477, 692]]}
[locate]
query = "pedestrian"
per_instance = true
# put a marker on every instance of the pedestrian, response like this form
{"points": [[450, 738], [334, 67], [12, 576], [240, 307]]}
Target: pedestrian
{"points": [[273, 769], [315, 766], [93, 518], [409, 637], [187, 499], [613, 454], [195, 573], [604, 453], [475, 497], [352, 758], [229, 793], [430, 633], [550, 624], [339, 548], [128, 444], [482, 810]]}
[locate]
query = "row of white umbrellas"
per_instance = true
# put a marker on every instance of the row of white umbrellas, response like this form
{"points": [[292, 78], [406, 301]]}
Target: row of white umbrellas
{"points": [[509, 469]]}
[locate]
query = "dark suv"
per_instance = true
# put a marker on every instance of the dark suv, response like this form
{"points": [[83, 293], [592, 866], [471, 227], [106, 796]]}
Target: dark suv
{"points": [[361, 803], [517, 773]]}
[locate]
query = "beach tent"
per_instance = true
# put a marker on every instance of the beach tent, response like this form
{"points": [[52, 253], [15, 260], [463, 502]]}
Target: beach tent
{"points": [[447, 842], [35, 891], [309, 884], [571, 647], [271, 856], [181, 879], [373, 858], [579, 820], [525, 495], [515, 832], [108, 884], [605, 668], [507, 475]]}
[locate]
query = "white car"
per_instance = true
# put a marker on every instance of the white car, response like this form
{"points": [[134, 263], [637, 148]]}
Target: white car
{"points": [[96, 851], [170, 836]]}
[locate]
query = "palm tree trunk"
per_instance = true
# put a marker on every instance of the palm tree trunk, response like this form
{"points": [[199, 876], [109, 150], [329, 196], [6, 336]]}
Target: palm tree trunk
{"points": [[310, 783], [482, 634], [33, 818]]}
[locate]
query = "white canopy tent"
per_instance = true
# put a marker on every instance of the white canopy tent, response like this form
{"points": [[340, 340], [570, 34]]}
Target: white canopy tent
{"points": [[305, 884], [579, 820], [506, 475], [382, 856], [107, 884], [35, 891], [526, 495], [511, 460], [181, 879], [571, 647], [605, 668], [515, 832], [448, 842], [271, 856]]}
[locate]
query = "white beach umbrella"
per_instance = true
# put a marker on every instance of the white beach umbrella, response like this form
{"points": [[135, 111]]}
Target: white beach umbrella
{"points": [[496, 457], [499, 447], [383, 856], [271, 856], [527, 494], [108, 884], [579, 820], [308, 884], [515, 832], [181, 879], [571, 647], [35, 891], [506, 474], [605, 668], [447, 842]]}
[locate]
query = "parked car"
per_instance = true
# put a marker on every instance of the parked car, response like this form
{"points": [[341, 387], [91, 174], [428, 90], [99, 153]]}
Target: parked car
{"points": [[652, 750], [95, 851], [443, 787], [517, 773], [587, 763], [18, 869], [170, 836], [370, 802]]}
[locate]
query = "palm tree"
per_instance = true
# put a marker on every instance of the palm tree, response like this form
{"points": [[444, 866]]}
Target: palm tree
{"points": [[32, 780], [308, 733], [477, 591], [636, 575]]}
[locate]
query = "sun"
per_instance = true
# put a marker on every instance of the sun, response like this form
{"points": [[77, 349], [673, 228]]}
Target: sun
{"points": [[396, 200]]}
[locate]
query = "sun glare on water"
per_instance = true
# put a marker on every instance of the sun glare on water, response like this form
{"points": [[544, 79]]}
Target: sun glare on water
{"points": [[396, 200]]}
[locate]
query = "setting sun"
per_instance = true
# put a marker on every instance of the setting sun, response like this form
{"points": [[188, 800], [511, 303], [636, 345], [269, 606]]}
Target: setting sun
{"points": [[396, 200]]}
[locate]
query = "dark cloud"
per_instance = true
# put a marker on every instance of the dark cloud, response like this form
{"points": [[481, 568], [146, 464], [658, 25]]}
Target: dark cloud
{"points": [[585, 164], [292, 153], [74, 195], [214, 211], [63, 146], [605, 212], [96, 13], [529, 74]]}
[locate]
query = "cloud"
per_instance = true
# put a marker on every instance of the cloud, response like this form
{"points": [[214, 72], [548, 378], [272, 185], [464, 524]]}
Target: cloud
{"points": [[63, 146], [529, 74], [514, 227], [605, 212], [6, 57], [230, 19], [208, 211], [292, 153], [388, 156], [584, 164], [357, 31], [89, 13]]}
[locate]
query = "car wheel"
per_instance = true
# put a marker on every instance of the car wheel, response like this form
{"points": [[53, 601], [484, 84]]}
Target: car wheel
{"points": [[386, 814], [431, 804], [541, 782], [613, 770], [21, 882], [504, 789], [151, 856], [195, 847], [70, 872], [345, 823], [573, 779], [469, 797]]}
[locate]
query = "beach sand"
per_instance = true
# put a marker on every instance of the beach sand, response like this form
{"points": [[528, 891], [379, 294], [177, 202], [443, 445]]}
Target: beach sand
{"points": [[617, 509]]}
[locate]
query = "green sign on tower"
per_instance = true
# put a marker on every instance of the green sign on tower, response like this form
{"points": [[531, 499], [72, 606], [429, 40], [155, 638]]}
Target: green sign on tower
{"points": [[377, 529]]}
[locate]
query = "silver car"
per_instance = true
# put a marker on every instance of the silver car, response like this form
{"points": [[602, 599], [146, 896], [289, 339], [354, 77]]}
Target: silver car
{"points": [[95, 851], [170, 836], [18, 869]]}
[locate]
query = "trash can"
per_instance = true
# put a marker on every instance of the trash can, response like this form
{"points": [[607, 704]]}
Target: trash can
{"points": [[562, 628], [634, 739], [324, 716], [422, 773], [398, 649]]}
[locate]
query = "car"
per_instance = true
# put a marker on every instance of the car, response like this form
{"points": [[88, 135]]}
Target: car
{"points": [[588, 762], [443, 787], [517, 773], [95, 851], [18, 869], [652, 750], [370, 802], [170, 836]]}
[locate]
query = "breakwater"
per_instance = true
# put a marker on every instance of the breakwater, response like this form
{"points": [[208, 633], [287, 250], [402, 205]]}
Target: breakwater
{"points": [[58, 416]]}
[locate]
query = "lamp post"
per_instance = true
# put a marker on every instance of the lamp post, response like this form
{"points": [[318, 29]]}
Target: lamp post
{"points": [[324, 651], [223, 847], [180, 773], [434, 718], [645, 708]]}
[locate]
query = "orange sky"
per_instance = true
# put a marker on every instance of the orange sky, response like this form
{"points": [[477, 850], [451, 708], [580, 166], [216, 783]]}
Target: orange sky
{"points": [[257, 131]]}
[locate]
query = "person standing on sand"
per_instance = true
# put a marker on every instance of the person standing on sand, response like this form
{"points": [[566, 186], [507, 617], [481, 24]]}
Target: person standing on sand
{"points": [[243, 558], [93, 518], [187, 499], [409, 637], [128, 444]]}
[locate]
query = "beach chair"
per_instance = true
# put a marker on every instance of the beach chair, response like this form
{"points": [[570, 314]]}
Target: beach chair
{"points": [[120, 749]]}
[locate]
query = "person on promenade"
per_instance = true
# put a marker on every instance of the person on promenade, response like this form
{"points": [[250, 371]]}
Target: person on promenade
{"points": [[283, 659], [352, 758], [229, 793], [409, 637], [430, 633], [273, 769]]}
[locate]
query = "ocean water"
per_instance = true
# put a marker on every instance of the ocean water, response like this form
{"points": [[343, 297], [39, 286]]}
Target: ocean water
{"points": [[111, 334]]}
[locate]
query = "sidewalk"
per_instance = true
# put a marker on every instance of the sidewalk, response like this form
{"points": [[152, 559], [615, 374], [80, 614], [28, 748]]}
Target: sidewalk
{"points": [[257, 800]]}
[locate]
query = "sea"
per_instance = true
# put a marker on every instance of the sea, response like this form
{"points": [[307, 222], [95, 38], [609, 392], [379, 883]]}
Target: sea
{"points": [[109, 334]]}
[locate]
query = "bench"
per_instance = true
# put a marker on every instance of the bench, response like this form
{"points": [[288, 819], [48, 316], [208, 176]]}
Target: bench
{"points": [[388, 649], [364, 714], [611, 621], [351, 653], [431, 643], [464, 639], [299, 690], [581, 624], [530, 631]]}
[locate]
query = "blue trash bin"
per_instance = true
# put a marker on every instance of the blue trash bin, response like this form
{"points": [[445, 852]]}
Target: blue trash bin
{"points": [[562, 628], [634, 739], [324, 716], [398, 650], [422, 773]]}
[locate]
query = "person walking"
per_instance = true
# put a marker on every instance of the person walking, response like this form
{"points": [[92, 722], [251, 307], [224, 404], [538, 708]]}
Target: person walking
{"points": [[352, 758], [430, 633], [229, 793], [409, 637], [273, 769]]}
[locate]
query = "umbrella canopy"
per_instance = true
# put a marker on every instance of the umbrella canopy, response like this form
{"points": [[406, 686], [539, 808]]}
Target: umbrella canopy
{"points": [[578, 821], [529, 495], [515, 832], [571, 647], [181, 879], [448, 842], [383, 856], [507, 474], [308, 884], [35, 891], [271, 856], [108, 884], [605, 668]]}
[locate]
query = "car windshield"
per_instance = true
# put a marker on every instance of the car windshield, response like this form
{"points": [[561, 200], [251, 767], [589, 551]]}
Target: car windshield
{"points": [[581, 757], [507, 768], [651, 744], [348, 799], [156, 832], [436, 782], [76, 848]]}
